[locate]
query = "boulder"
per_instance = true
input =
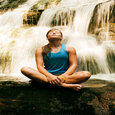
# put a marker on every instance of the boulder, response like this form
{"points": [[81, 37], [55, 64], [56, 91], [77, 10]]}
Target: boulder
{"points": [[96, 98]]}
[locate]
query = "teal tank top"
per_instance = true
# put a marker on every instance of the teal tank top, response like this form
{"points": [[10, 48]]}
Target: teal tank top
{"points": [[57, 63]]}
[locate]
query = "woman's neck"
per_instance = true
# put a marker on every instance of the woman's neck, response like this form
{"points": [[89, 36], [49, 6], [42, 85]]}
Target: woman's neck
{"points": [[55, 44]]}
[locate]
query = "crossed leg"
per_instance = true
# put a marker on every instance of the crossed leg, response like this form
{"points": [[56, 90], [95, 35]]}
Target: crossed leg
{"points": [[72, 81]]}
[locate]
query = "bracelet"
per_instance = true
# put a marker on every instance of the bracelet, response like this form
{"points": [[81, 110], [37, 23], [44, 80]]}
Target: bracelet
{"points": [[62, 77]]}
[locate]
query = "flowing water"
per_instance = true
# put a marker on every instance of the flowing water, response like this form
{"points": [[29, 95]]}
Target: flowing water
{"points": [[73, 17]]}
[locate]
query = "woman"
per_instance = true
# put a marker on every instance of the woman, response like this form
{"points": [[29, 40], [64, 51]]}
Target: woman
{"points": [[56, 64]]}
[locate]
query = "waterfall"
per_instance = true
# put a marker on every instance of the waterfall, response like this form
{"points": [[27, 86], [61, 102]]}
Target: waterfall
{"points": [[87, 47], [15, 17], [13, 39], [74, 18]]}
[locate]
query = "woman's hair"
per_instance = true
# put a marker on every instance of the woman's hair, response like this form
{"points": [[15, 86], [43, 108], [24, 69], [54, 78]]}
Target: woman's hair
{"points": [[47, 48]]}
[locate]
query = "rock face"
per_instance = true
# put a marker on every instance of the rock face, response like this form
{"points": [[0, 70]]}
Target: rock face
{"points": [[44, 4], [97, 98], [112, 31], [32, 17], [103, 29], [10, 4]]}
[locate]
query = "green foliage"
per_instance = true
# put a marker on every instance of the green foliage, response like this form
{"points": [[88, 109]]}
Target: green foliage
{"points": [[11, 4]]}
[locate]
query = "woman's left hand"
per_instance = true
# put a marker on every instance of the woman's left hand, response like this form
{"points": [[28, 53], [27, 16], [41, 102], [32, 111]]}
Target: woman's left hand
{"points": [[63, 77]]}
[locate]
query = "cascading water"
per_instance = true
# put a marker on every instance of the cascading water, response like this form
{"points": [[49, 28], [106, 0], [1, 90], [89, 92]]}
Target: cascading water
{"points": [[15, 17], [13, 39], [73, 17]]}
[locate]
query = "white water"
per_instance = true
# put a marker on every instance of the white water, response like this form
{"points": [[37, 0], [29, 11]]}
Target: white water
{"points": [[18, 43], [15, 18]]}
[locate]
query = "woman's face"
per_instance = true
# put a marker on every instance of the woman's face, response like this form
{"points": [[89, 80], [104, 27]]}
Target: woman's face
{"points": [[54, 35]]}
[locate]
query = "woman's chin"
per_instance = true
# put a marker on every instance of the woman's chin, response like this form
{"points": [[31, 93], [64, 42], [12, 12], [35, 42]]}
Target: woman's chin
{"points": [[55, 38]]}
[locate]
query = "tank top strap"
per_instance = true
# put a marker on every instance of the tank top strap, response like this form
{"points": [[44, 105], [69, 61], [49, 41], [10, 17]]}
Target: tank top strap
{"points": [[63, 46]]}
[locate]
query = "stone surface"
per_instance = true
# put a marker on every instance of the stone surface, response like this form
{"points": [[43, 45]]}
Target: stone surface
{"points": [[103, 30], [32, 17], [10, 4], [96, 98]]}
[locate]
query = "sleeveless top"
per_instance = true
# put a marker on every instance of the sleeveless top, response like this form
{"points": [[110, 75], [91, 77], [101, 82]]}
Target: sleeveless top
{"points": [[57, 63]]}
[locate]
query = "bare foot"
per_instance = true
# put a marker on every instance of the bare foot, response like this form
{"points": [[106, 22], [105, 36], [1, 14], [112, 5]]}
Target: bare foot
{"points": [[76, 87]]}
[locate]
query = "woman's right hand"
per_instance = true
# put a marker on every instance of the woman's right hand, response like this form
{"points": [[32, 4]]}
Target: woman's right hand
{"points": [[54, 80]]}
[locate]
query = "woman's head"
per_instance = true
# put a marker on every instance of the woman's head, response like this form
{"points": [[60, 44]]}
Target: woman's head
{"points": [[54, 37], [54, 34]]}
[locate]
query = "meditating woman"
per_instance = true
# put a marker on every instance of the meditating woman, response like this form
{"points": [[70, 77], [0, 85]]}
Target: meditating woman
{"points": [[56, 64]]}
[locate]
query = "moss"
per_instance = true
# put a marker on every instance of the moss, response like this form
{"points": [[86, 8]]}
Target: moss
{"points": [[45, 4], [11, 4]]}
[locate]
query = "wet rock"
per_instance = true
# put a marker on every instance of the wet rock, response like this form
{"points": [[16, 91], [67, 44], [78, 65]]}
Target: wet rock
{"points": [[10, 4], [32, 17], [97, 98], [101, 33], [102, 25], [45, 4], [110, 56]]}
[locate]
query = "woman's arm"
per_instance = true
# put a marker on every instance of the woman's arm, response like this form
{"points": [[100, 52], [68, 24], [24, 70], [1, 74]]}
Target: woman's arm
{"points": [[40, 63], [72, 60], [40, 66]]}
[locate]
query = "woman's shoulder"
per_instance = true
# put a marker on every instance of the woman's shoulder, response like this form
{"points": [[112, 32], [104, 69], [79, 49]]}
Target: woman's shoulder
{"points": [[70, 49], [39, 51]]}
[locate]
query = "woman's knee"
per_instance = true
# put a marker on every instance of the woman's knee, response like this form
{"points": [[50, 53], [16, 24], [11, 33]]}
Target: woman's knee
{"points": [[25, 70], [87, 74]]}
